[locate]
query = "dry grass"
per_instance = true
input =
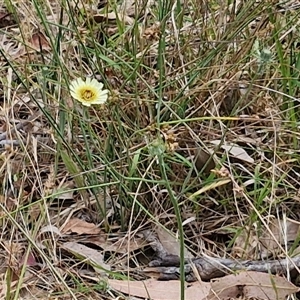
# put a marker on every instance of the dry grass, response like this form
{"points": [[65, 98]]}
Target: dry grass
{"points": [[179, 79]]}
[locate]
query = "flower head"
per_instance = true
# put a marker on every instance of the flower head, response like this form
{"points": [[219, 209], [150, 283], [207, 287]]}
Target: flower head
{"points": [[88, 92]]}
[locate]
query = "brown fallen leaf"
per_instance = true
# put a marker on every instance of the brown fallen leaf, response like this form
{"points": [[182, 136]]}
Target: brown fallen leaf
{"points": [[235, 150], [39, 42], [29, 260], [161, 290], [121, 245], [91, 256], [204, 161], [79, 226], [251, 285], [170, 243], [280, 232]]}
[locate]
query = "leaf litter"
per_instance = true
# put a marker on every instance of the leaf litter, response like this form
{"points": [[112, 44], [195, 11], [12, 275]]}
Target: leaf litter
{"points": [[249, 285], [72, 235], [90, 256], [75, 225]]}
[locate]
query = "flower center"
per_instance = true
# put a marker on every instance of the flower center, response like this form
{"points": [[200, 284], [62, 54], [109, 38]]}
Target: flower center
{"points": [[87, 95]]}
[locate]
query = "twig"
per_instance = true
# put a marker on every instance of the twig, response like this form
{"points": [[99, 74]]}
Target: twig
{"points": [[210, 267]]}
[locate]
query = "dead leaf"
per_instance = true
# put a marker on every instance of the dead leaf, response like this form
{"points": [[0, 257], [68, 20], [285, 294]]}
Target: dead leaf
{"points": [[204, 161], [91, 256], [120, 245], [132, 8], [235, 151], [65, 191], [50, 228], [280, 232], [251, 285], [283, 231], [127, 7], [161, 290], [29, 260], [170, 243], [39, 42], [79, 226]]}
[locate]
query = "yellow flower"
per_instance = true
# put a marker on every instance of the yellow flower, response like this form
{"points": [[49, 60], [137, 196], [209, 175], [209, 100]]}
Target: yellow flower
{"points": [[88, 92]]}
